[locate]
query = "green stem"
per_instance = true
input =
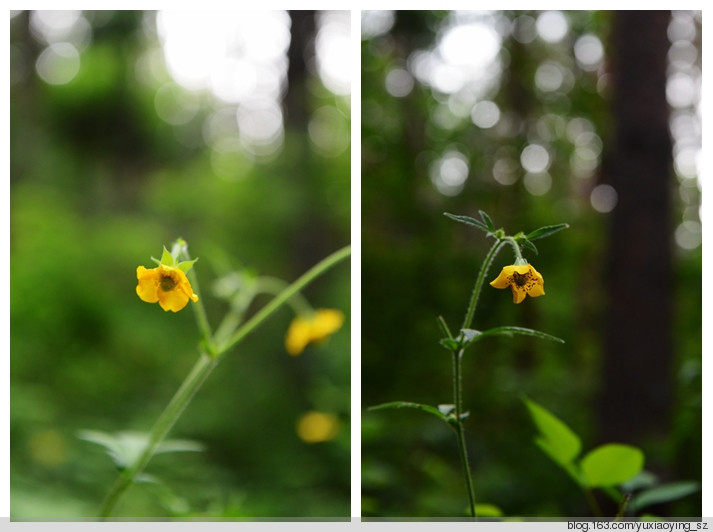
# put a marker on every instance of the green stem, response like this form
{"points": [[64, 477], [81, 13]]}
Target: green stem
{"points": [[203, 367], [622, 507], [283, 296], [166, 420], [273, 285], [516, 249], [198, 308], [592, 502], [457, 384], [460, 432], [479, 283]]}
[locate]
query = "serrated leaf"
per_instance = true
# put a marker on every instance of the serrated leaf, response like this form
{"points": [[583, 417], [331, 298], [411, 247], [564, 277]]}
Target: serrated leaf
{"points": [[487, 220], [611, 464], [417, 406], [510, 331], [556, 438], [468, 220], [664, 493], [545, 231]]}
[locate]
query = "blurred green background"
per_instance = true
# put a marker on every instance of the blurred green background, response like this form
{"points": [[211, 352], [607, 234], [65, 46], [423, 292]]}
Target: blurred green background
{"points": [[525, 115], [128, 130]]}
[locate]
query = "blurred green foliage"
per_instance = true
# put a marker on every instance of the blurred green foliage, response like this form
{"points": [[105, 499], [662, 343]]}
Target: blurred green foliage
{"points": [[417, 264], [99, 183]]}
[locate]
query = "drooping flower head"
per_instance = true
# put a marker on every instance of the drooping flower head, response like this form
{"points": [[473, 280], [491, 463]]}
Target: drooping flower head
{"points": [[305, 330], [523, 279], [167, 284]]}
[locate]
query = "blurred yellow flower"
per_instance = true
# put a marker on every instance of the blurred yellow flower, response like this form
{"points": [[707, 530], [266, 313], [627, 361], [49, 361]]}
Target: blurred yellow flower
{"points": [[305, 330], [316, 427], [524, 280], [165, 284]]}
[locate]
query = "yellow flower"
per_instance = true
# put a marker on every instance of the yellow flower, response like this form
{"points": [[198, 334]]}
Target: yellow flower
{"points": [[316, 427], [305, 330], [524, 280], [165, 284]]}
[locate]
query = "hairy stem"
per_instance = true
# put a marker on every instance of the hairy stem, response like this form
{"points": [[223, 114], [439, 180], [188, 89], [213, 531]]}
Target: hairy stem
{"points": [[460, 432], [479, 282]]}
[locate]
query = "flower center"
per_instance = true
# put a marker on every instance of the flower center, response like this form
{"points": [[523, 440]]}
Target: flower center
{"points": [[167, 283], [520, 278]]}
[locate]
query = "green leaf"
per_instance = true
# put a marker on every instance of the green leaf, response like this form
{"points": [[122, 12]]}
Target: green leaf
{"points": [[111, 445], [547, 230], [488, 510], [664, 493], [529, 245], [644, 480], [611, 464], [510, 331], [487, 220], [556, 439], [125, 447], [403, 404], [468, 220]]}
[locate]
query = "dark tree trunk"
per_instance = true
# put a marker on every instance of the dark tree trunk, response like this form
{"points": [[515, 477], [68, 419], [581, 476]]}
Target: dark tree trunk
{"points": [[301, 49], [637, 371]]}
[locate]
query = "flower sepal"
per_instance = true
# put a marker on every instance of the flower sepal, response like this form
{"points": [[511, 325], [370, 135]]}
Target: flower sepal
{"points": [[170, 258]]}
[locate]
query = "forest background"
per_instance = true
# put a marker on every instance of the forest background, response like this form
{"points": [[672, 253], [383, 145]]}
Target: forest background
{"points": [[128, 130], [590, 118]]}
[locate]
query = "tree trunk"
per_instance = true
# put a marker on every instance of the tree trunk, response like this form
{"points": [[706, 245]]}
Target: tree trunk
{"points": [[638, 361]]}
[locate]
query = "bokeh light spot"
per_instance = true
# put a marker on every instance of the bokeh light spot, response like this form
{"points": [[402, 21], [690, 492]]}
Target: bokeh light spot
{"points": [[688, 234], [589, 51], [485, 114], [552, 26], [58, 64], [449, 173], [329, 131], [399, 82], [535, 158], [603, 198], [538, 184]]}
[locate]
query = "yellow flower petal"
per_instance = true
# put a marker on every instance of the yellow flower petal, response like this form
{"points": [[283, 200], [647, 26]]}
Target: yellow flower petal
{"points": [[298, 336], [522, 279], [326, 322], [166, 285], [315, 328], [147, 287]]}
